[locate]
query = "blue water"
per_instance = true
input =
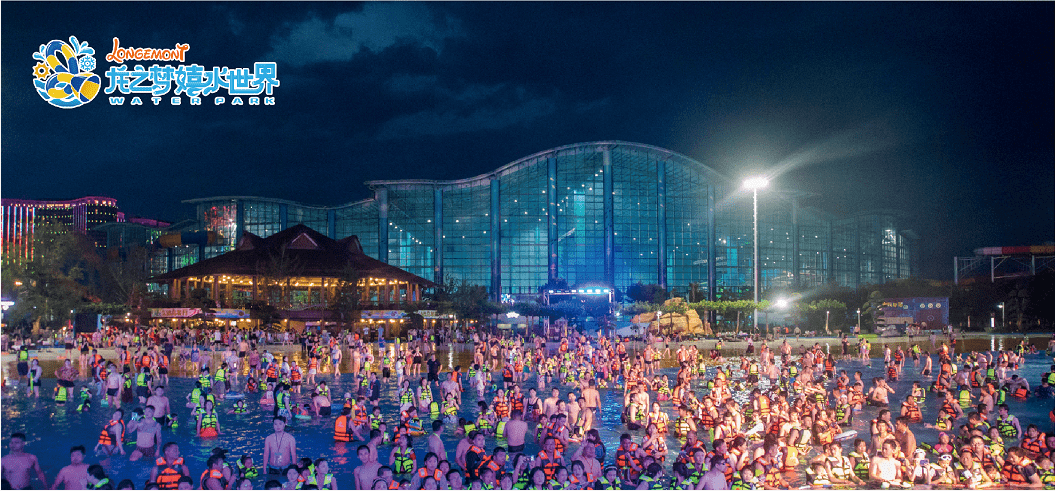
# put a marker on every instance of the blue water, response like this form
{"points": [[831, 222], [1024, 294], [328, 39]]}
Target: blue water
{"points": [[51, 429]]}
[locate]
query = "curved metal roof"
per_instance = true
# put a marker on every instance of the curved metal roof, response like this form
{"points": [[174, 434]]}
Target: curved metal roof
{"points": [[531, 159]]}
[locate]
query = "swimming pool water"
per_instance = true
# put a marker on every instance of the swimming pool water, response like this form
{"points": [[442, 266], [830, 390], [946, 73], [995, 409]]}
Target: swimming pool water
{"points": [[52, 429]]}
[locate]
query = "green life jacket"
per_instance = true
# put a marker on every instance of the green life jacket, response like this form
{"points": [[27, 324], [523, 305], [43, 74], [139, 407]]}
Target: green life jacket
{"points": [[861, 465], [251, 472], [653, 483], [141, 380], [739, 484], [326, 480], [209, 421], [404, 461], [23, 354], [965, 398], [195, 395], [1006, 427], [220, 375], [206, 382]]}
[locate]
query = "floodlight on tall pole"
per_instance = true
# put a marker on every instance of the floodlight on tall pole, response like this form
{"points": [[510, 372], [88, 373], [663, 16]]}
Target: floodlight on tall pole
{"points": [[1003, 315], [754, 184]]}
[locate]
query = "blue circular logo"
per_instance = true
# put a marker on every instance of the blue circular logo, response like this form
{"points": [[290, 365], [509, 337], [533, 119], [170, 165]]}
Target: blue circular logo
{"points": [[63, 73]]}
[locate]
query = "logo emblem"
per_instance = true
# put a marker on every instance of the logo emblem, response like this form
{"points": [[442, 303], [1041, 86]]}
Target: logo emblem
{"points": [[63, 73]]}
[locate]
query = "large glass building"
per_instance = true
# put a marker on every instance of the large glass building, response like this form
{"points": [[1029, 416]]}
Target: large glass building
{"points": [[607, 213]]}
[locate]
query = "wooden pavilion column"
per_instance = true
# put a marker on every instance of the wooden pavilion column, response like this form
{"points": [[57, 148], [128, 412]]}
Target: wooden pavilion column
{"points": [[215, 288], [254, 280]]}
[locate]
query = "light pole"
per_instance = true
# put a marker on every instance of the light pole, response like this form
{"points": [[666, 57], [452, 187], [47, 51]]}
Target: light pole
{"points": [[827, 315], [754, 184], [1003, 315], [858, 320]]}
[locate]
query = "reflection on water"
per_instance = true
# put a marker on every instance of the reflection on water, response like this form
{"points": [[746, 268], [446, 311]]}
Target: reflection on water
{"points": [[51, 428]]}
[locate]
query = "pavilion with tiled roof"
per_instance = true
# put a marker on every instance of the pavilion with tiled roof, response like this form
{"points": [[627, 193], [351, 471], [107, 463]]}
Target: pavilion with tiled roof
{"points": [[304, 266]]}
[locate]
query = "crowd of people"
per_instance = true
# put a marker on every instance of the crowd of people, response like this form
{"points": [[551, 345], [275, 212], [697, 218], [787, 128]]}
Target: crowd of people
{"points": [[774, 419]]}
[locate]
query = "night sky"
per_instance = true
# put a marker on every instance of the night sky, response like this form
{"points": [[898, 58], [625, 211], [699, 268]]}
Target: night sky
{"points": [[942, 110]]}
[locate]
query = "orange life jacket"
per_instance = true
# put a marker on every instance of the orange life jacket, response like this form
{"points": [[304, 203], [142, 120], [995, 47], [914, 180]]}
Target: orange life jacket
{"points": [[914, 414], [106, 439], [340, 430], [209, 473], [169, 474]]}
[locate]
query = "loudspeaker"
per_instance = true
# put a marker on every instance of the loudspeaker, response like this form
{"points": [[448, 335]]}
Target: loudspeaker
{"points": [[85, 323]]}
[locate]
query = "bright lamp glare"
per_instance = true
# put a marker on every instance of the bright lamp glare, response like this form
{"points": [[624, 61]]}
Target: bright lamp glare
{"points": [[756, 183], [782, 303]]}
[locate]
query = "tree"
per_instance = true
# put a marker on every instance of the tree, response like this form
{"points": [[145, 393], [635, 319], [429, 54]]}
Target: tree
{"points": [[673, 308], [640, 292], [54, 281], [694, 293], [816, 313], [124, 279]]}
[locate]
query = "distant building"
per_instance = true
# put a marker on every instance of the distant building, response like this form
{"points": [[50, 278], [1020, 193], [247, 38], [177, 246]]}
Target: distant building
{"points": [[606, 213], [21, 216]]}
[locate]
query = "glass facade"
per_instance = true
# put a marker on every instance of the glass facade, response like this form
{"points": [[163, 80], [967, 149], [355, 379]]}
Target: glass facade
{"points": [[523, 228], [411, 233], [358, 219], [599, 213], [465, 234]]}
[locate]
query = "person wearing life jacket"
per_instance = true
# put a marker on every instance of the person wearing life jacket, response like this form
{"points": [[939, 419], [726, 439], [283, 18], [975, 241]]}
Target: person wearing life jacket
{"points": [[1019, 471], [208, 424], [430, 469], [212, 477], [343, 426], [163, 368], [142, 381], [610, 479], [964, 397], [628, 458], [1019, 387], [1007, 423], [96, 478], [412, 425], [685, 424], [1034, 441], [402, 456], [320, 476], [112, 438], [206, 380], [501, 405], [910, 410], [549, 459], [169, 468], [246, 469]]}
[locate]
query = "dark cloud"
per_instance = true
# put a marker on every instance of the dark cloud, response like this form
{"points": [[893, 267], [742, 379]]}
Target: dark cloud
{"points": [[943, 110]]}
